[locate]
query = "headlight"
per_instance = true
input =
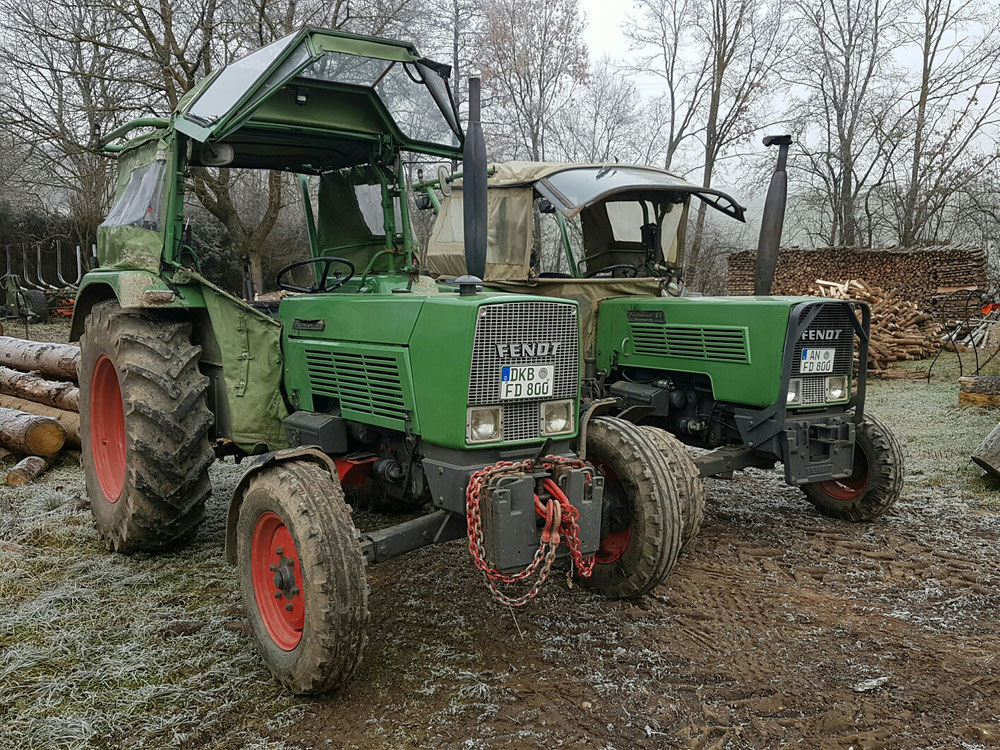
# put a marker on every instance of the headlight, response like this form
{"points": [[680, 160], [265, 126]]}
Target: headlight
{"points": [[555, 417], [794, 391], [836, 388], [482, 424]]}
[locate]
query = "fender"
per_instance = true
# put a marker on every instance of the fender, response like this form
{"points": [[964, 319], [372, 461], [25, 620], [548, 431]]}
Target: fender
{"points": [[264, 460], [132, 289]]}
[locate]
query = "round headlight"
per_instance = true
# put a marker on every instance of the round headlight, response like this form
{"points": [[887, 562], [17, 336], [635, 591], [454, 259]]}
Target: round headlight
{"points": [[484, 424]]}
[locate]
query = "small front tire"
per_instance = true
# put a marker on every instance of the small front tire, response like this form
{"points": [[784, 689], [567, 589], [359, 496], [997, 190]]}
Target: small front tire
{"points": [[876, 482], [687, 478], [642, 528], [302, 575]]}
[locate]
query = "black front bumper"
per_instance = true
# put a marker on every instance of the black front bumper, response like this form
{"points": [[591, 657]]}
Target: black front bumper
{"points": [[818, 447]]}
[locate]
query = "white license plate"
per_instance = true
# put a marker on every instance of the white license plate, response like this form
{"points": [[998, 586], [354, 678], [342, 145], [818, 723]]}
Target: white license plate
{"points": [[526, 381], [817, 360]]}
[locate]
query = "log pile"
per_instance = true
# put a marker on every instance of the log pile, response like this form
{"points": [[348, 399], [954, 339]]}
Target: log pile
{"points": [[39, 406], [899, 329], [925, 276]]}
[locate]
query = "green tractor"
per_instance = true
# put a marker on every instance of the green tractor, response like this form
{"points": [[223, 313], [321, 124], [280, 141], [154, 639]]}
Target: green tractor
{"points": [[755, 380], [366, 378]]}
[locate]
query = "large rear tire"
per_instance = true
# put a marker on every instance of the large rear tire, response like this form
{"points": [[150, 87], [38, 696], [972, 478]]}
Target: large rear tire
{"points": [[144, 423], [641, 529], [687, 478], [875, 484], [302, 574]]}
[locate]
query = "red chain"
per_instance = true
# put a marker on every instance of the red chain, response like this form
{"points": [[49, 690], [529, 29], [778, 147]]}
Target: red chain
{"points": [[560, 522]]}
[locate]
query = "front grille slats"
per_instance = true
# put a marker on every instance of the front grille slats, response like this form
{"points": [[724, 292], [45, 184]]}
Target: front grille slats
{"points": [[519, 323], [692, 342], [365, 383]]}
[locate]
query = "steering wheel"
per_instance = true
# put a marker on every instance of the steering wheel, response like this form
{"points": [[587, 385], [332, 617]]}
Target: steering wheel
{"points": [[626, 267], [324, 284]]}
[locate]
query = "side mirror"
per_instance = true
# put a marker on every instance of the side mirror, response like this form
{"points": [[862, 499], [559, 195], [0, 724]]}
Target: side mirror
{"points": [[216, 155], [422, 201]]}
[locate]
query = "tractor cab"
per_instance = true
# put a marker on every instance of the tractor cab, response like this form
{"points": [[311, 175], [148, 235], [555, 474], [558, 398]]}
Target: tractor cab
{"points": [[576, 221]]}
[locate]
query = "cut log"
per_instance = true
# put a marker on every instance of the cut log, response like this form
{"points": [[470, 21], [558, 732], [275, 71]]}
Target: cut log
{"points": [[52, 360], [30, 433], [26, 470], [987, 455], [7, 457], [61, 394], [69, 420]]}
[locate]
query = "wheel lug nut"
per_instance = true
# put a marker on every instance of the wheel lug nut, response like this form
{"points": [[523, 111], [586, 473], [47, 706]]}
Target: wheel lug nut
{"points": [[295, 590], [272, 567], [279, 551], [288, 607], [291, 563], [277, 594]]}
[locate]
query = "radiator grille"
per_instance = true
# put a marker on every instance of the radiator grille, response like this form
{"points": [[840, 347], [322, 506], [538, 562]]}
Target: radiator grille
{"points": [[365, 383], [517, 323], [833, 316], [693, 342]]}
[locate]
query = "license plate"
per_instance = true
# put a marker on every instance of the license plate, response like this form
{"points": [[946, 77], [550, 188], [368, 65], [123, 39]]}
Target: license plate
{"points": [[526, 381], [817, 360]]}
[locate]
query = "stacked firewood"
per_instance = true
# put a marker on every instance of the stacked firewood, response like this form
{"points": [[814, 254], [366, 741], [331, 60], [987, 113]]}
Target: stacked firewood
{"points": [[899, 329], [39, 406]]}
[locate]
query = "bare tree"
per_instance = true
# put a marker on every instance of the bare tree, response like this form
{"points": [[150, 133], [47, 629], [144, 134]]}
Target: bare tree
{"points": [[844, 64], [744, 44], [955, 99], [668, 46], [532, 59]]}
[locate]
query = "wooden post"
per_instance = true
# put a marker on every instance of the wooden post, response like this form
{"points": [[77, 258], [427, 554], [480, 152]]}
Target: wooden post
{"points": [[69, 420], [30, 433], [53, 360], [61, 394], [987, 455], [979, 390], [26, 470]]}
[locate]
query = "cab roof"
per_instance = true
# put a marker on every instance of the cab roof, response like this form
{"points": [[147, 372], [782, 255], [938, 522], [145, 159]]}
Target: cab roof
{"points": [[570, 188], [319, 99]]}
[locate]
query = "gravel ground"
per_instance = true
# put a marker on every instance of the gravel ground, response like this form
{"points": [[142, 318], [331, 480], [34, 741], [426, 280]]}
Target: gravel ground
{"points": [[779, 627]]}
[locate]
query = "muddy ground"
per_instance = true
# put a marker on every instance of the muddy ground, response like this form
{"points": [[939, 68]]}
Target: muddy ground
{"points": [[779, 627]]}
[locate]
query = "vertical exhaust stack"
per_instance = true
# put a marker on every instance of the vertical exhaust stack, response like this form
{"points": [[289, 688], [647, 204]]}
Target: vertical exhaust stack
{"points": [[773, 218], [474, 187]]}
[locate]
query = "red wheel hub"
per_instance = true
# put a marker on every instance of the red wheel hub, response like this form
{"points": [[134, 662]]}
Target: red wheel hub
{"points": [[276, 573], [852, 486], [615, 542], [107, 428]]}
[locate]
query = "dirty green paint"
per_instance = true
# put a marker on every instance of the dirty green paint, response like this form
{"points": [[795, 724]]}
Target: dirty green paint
{"points": [[765, 320]]}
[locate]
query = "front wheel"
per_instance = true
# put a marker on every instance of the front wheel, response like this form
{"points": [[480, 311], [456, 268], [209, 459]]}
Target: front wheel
{"points": [[687, 478], [641, 528], [875, 483], [302, 575]]}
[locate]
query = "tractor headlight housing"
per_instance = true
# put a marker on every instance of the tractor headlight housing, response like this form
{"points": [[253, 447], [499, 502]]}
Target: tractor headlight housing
{"points": [[555, 417], [483, 424], [836, 388], [794, 395]]}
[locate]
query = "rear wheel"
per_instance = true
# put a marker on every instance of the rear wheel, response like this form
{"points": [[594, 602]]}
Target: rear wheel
{"points": [[641, 529], [687, 478], [874, 485], [302, 574], [144, 423]]}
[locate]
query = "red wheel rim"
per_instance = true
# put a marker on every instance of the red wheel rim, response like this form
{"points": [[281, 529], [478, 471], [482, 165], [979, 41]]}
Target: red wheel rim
{"points": [[107, 428], [852, 486], [614, 544], [276, 573]]}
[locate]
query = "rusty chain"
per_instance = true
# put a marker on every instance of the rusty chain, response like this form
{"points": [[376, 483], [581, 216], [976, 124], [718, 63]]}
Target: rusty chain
{"points": [[560, 523]]}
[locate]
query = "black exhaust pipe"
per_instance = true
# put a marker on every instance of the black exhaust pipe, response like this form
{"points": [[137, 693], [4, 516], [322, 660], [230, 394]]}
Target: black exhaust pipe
{"points": [[773, 218], [474, 187]]}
